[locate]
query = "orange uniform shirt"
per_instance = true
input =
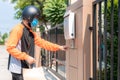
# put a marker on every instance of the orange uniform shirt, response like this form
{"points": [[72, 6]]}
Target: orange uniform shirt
{"points": [[15, 37]]}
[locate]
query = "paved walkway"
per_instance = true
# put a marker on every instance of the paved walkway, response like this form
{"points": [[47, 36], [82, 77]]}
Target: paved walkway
{"points": [[5, 74]]}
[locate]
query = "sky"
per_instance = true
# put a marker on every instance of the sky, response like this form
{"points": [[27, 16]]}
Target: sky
{"points": [[7, 20]]}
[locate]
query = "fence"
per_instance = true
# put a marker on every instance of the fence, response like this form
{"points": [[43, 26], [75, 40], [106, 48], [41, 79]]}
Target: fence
{"points": [[55, 61], [106, 40]]}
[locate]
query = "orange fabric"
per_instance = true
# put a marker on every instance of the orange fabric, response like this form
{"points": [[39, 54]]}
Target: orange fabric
{"points": [[45, 44], [15, 36]]}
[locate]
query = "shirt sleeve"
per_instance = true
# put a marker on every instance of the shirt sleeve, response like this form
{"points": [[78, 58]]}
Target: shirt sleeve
{"points": [[12, 42], [45, 44]]}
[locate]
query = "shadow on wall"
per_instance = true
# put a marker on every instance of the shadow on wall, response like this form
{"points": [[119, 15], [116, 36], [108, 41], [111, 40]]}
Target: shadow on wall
{"points": [[87, 45]]}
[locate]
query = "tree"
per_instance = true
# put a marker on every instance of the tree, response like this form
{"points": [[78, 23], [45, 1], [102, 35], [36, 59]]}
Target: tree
{"points": [[51, 10], [54, 11], [20, 4], [3, 37]]}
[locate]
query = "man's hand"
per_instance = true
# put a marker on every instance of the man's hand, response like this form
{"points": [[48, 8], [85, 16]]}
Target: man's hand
{"points": [[30, 60], [63, 48]]}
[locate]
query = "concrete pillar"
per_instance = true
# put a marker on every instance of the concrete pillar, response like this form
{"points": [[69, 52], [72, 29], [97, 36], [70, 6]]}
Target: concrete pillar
{"points": [[79, 58], [38, 51]]}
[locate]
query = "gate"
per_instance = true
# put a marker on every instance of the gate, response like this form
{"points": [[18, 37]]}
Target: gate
{"points": [[55, 61], [106, 40]]}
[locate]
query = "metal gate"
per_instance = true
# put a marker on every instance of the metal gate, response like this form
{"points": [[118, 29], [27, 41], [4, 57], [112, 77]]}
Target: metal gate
{"points": [[106, 40], [55, 61]]}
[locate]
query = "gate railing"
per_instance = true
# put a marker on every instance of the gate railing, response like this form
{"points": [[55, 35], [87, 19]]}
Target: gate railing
{"points": [[55, 61], [106, 40]]}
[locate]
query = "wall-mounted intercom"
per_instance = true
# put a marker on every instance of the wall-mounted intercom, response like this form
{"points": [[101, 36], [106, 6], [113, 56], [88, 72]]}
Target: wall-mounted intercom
{"points": [[69, 25]]}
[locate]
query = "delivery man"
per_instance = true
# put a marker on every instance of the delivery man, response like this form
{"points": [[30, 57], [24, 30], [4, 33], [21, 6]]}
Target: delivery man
{"points": [[21, 41]]}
